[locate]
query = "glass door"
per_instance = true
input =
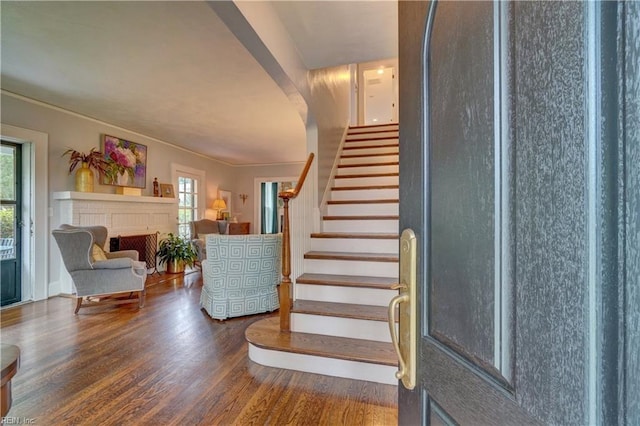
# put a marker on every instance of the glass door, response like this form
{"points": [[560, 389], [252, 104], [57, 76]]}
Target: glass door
{"points": [[10, 223]]}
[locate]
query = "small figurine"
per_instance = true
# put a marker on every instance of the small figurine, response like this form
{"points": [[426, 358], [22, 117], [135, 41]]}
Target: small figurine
{"points": [[156, 191]]}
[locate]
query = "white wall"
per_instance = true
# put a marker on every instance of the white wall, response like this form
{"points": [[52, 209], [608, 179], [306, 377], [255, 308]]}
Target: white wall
{"points": [[330, 103], [67, 130]]}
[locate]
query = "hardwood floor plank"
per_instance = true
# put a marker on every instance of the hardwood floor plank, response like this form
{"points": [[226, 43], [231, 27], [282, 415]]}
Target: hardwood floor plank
{"points": [[168, 363]]}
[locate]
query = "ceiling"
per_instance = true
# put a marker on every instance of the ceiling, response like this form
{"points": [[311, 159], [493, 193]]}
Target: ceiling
{"points": [[175, 72]]}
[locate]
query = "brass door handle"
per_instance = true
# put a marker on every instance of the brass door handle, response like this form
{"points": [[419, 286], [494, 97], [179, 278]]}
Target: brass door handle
{"points": [[405, 342], [394, 336]]}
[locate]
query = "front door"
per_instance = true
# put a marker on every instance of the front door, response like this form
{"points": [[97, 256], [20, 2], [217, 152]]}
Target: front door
{"points": [[509, 179], [10, 221]]}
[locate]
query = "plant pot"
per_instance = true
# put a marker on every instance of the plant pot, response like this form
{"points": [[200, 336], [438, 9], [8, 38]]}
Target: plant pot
{"points": [[175, 266], [84, 179]]}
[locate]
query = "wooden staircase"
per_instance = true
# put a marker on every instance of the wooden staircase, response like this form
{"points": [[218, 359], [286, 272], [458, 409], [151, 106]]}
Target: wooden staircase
{"points": [[339, 317]]}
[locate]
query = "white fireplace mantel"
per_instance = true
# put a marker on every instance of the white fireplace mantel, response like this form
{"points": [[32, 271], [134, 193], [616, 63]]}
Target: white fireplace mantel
{"points": [[96, 196]]}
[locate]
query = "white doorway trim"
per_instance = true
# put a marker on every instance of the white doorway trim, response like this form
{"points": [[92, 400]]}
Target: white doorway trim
{"points": [[36, 238], [257, 194]]}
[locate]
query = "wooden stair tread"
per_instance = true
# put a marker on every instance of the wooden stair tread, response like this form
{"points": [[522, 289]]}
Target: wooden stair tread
{"points": [[386, 145], [351, 138], [367, 257], [266, 334], [355, 235], [367, 175], [362, 217], [373, 126], [385, 163], [379, 201], [364, 187], [375, 154], [381, 283], [341, 310]]}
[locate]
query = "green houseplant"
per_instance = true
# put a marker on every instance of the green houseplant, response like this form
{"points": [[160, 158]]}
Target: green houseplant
{"points": [[177, 253]]}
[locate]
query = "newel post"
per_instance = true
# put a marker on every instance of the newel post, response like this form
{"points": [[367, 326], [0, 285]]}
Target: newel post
{"points": [[285, 286]]}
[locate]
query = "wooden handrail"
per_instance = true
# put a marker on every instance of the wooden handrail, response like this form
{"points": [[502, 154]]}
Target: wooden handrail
{"points": [[284, 290]]}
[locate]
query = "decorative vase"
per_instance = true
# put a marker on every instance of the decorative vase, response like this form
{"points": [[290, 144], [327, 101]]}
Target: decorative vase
{"points": [[84, 179], [175, 266]]}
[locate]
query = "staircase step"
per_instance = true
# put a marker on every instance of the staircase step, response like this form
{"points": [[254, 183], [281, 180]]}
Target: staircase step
{"points": [[381, 283], [342, 181], [343, 310], [346, 235], [384, 201], [368, 159], [350, 148], [367, 175], [364, 187], [369, 153], [361, 217], [368, 143], [352, 320], [380, 192], [373, 167], [366, 290], [367, 257], [329, 355], [355, 242], [373, 225], [363, 209], [374, 128]]}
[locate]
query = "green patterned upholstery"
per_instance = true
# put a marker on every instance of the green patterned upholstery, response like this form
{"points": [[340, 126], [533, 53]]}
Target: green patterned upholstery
{"points": [[241, 274]]}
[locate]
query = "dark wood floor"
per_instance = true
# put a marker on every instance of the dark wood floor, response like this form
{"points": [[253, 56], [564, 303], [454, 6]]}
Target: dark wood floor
{"points": [[167, 364]]}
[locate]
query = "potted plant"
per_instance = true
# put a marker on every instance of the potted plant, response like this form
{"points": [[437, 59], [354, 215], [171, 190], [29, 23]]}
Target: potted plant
{"points": [[176, 252], [93, 160]]}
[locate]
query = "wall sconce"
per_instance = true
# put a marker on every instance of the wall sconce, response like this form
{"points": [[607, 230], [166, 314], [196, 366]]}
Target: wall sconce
{"points": [[243, 197]]}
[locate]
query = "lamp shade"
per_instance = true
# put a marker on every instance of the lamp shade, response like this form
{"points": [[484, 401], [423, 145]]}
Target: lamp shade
{"points": [[219, 204]]}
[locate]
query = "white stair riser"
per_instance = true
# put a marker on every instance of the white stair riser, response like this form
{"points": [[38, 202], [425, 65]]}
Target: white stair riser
{"points": [[387, 226], [378, 130], [369, 160], [355, 245], [361, 181], [365, 194], [351, 267], [365, 143], [358, 170], [368, 151], [327, 366], [339, 294], [340, 327], [362, 209]]}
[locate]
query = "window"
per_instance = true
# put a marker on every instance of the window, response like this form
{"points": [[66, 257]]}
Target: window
{"points": [[190, 190], [187, 204]]}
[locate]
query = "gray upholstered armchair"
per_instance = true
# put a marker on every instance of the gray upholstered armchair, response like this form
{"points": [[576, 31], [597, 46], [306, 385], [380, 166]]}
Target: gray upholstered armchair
{"points": [[199, 230], [96, 273]]}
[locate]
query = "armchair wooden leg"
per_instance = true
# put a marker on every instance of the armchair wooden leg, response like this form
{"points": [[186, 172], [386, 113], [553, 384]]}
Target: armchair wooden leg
{"points": [[78, 304], [141, 296]]}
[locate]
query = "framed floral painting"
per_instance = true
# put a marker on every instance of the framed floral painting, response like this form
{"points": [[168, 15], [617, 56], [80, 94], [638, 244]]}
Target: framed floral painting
{"points": [[126, 162]]}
